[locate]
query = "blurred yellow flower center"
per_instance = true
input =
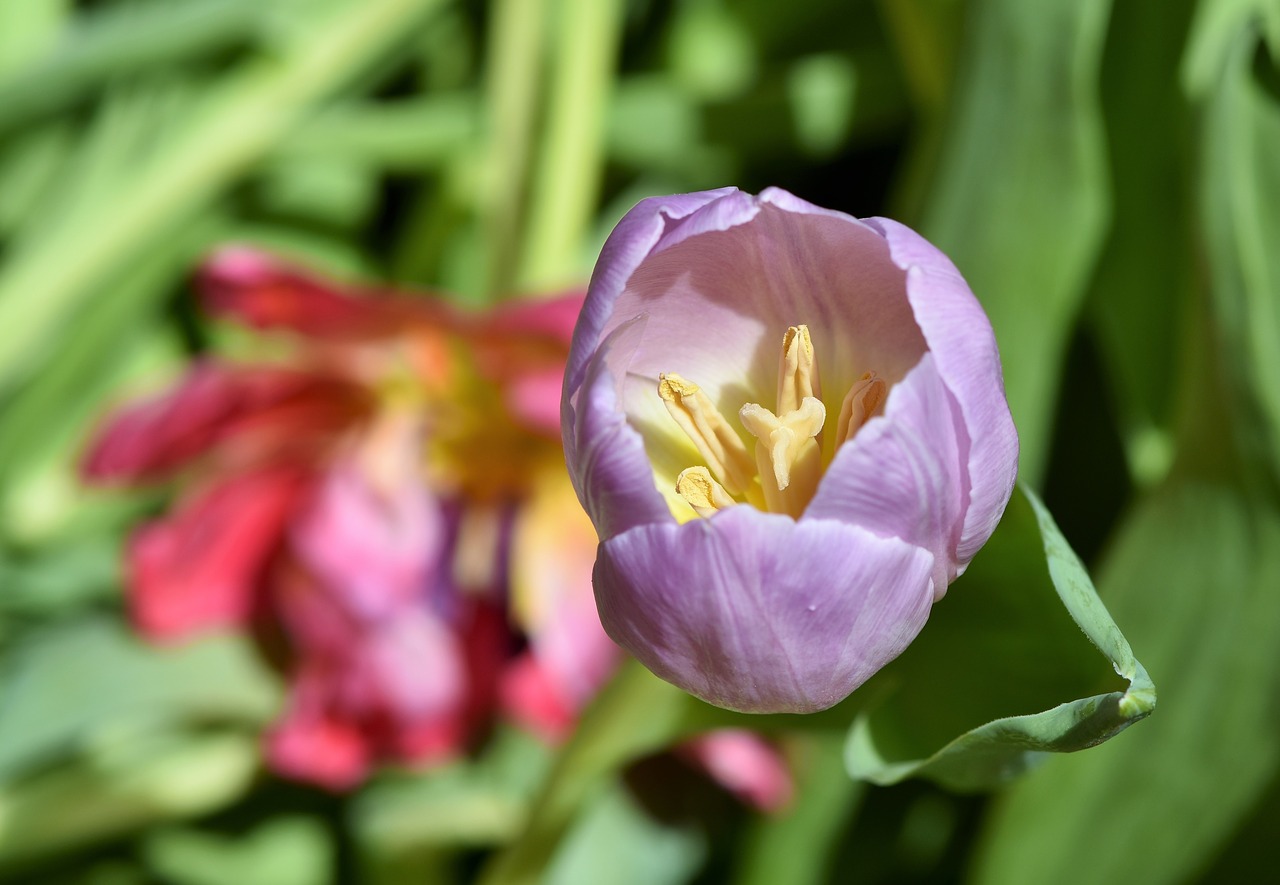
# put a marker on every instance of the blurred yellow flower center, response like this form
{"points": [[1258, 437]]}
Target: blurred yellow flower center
{"points": [[783, 474]]}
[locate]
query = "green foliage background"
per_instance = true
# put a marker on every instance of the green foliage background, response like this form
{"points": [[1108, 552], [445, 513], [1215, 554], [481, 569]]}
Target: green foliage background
{"points": [[1106, 174]]}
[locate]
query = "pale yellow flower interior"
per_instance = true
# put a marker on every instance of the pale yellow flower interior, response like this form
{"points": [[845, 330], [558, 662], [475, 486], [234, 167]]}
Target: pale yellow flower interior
{"points": [[783, 473]]}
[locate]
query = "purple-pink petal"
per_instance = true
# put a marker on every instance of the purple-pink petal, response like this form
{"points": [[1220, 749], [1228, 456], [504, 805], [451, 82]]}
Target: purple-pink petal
{"points": [[964, 346], [904, 474], [759, 613]]}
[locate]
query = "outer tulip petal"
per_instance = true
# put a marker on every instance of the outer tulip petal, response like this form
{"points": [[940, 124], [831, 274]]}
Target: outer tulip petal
{"points": [[606, 457], [759, 613], [964, 346], [904, 474], [629, 245]]}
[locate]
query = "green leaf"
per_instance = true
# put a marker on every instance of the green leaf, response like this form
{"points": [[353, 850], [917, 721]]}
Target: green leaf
{"points": [[1141, 294], [120, 39], [997, 652], [218, 136], [614, 840], [126, 781], [66, 685], [1019, 199], [1240, 196], [283, 851], [1193, 574]]}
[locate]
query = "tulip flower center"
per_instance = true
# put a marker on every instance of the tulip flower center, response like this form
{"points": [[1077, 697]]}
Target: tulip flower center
{"points": [[783, 473]]}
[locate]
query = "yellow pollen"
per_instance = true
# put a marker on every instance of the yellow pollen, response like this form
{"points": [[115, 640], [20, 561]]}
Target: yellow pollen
{"points": [[704, 494], [783, 475], [717, 442], [862, 401]]}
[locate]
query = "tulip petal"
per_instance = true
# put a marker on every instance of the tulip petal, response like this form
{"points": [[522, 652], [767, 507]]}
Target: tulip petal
{"points": [[903, 475], [758, 613], [964, 346], [629, 245], [606, 456]]}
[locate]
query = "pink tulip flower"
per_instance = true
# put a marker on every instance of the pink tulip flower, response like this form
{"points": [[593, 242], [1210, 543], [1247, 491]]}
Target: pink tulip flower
{"points": [[789, 428]]}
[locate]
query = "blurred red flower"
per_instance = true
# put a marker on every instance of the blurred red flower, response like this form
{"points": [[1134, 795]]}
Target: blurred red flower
{"points": [[386, 507]]}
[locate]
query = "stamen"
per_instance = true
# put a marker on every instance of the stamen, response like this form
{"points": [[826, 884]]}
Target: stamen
{"points": [[704, 494], [797, 370], [717, 443], [861, 402], [787, 451]]}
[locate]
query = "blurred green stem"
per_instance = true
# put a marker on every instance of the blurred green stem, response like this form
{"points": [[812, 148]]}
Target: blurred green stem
{"points": [[251, 111], [567, 181], [514, 78], [637, 713], [796, 846]]}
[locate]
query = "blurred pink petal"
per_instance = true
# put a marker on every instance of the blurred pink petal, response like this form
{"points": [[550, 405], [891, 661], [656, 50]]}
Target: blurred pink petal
{"points": [[200, 566], [746, 765], [553, 549], [374, 549], [533, 698], [254, 409], [264, 292], [313, 744]]}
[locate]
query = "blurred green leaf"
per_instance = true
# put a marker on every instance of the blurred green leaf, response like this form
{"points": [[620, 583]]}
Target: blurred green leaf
{"points": [[479, 802], [1140, 298], [1194, 575], [27, 29], [282, 851], [1240, 198], [614, 840], [711, 52], [796, 844], [822, 90], [1019, 199], [71, 574], [119, 39], [402, 135], [222, 134], [29, 166], [1217, 27], [132, 779], [64, 686], [995, 653]]}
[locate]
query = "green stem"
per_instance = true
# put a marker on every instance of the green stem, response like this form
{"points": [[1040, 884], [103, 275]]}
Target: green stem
{"points": [[250, 112], [568, 175]]}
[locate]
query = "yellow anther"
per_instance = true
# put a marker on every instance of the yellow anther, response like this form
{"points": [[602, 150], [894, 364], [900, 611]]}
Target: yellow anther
{"points": [[704, 494], [717, 443], [787, 451], [797, 370], [862, 401]]}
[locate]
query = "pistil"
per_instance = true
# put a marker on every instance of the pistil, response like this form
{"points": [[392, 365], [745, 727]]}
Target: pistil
{"points": [[787, 454]]}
